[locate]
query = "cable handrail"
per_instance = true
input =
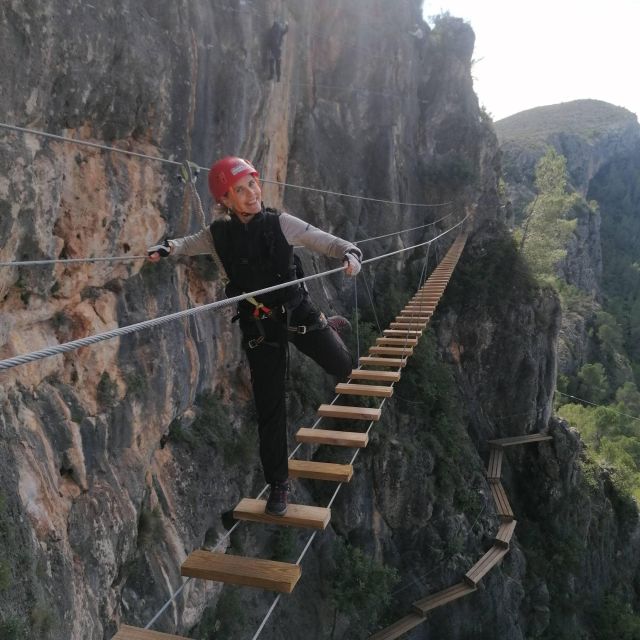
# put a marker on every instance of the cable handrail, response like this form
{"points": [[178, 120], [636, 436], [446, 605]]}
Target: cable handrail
{"points": [[49, 261], [175, 163], [121, 331]]}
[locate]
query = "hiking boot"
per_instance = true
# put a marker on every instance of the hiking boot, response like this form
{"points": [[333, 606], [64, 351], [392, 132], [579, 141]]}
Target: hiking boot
{"points": [[340, 325], [277, 502]]}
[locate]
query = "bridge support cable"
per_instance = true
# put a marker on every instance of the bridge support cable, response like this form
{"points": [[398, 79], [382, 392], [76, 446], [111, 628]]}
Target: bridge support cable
{"points": [[121, 331], [133, 258], [175, 163]]}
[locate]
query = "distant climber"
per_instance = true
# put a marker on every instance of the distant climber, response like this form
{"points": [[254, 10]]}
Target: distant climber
{"points": [[417, 32], [254, 245], [275, 36]]}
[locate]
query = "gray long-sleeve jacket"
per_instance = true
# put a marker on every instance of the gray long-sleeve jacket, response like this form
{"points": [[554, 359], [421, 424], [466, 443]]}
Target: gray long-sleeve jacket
{"points": [[296, 232]]}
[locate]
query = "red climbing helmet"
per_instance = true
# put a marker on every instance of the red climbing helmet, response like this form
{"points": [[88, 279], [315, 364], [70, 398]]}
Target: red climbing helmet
{"points": [[226, 172]]}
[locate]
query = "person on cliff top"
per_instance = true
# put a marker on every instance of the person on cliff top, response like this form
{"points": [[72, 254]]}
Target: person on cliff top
{"points": [[275, 36], [254, 244]]}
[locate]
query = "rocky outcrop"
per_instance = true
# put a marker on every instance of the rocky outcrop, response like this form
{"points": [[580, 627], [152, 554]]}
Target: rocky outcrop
{"points": [[592, 136]]}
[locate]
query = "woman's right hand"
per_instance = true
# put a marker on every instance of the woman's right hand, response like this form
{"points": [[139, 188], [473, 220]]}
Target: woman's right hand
{"points": [[158, 251]]}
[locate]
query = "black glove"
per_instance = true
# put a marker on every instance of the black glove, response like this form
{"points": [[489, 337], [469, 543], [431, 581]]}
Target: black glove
{"points": [[163, 249]]}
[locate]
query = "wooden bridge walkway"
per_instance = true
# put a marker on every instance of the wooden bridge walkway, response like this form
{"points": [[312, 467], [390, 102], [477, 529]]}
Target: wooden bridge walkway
{"points": [[375, 377], [489, 560]]}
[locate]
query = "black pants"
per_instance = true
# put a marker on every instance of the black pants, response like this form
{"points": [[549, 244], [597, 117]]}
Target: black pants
{"points": [[274, 65], [268, 363]]}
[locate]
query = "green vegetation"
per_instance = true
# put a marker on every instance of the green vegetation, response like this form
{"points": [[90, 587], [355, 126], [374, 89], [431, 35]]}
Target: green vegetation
{"points": [[617, 189], [107, 391], [12, 629], [213, 428], [136, 384], [611, 432], [284, 544], [150, 527], [497, 277], [361, 588], [615, 620], [587, 118], [451, 173], [427, 391], [547, 228], [5, 575], [226, 620], [43, 621], [158, 274]]}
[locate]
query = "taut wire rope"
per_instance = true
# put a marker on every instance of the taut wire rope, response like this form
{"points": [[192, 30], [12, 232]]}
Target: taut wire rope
{"points": [[37, 263], [175, 163], [121, 331], [602, 406]]}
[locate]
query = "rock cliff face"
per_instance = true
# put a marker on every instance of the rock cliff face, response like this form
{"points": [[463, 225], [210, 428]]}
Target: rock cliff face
{"points": [[120, 458], [593, 136]]}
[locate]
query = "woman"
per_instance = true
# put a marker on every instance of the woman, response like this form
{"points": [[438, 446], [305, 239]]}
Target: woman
{"points": [[254, 244]]}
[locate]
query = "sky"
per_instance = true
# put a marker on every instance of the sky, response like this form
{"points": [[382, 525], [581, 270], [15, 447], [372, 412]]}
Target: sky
{"points": [[541, 52]]}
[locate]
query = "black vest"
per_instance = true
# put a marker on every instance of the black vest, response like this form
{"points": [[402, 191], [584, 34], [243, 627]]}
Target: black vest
{"points": [[255, 256]]}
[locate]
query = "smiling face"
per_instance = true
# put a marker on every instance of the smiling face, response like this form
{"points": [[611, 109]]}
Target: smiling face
{"points": [[244, 198]]}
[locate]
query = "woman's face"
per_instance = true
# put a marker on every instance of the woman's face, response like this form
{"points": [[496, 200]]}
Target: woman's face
{"points": [[244, 198]]}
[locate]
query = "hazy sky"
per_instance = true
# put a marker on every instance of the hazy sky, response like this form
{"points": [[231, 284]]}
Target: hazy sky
{"points": [[542, 52]]}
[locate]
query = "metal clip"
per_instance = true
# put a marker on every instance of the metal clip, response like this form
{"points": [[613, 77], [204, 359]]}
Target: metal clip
{"points": [[256, 342]]}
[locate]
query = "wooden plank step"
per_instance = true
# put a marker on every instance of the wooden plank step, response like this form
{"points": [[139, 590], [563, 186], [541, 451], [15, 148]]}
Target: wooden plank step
{"points": [[421, 313], [378, 391], [350, 413], [353, 439], [508, 442], [383, 362], [250, 572], [402, 332], [320, 470], [375, 376], [410, 319], [412, 342], [485, 564], [398, 628], [391, 351], [443, 597], [298, 515], [503, 508], [125, 632], [408, 325], [494, 469], [505, 533]]}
